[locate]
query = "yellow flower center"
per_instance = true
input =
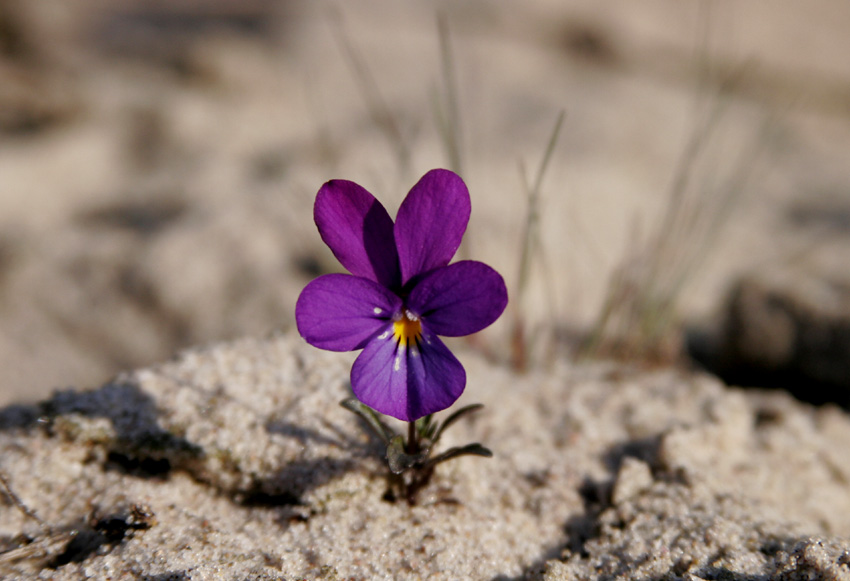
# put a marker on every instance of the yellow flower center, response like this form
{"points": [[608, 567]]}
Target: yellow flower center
{"points": [[407, 328]]}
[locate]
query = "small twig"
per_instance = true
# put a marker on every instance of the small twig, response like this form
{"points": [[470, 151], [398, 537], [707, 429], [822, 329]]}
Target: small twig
{"points": [[7, 490]]}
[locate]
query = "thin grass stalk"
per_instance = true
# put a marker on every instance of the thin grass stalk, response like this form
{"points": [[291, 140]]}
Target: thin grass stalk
{"points": [[699, 228], [650, 314], [639, 310], [730, 196], [446, 106], [449, 112], [379, 110], [328, 151], [615, 304], [530, 241]]}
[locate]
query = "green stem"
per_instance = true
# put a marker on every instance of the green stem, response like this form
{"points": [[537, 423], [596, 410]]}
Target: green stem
{"points": [[412, 438]]}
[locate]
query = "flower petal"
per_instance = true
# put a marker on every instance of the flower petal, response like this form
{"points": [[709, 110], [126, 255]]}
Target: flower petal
{"points": [[407, 382], [431, 222], [459, 299], [340, 312], [358, 230]]}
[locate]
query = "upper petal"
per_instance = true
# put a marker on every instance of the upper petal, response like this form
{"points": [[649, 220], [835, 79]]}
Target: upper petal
{"points": [[459, 299], [431, 222], [358, 230], [407, 383], [340, 312]]}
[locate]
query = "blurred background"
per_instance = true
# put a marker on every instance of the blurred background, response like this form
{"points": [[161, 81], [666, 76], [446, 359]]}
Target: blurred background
{"points": [[664, 182]]}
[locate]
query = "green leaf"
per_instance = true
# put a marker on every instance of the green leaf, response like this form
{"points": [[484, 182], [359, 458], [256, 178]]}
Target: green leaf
{"points": [[371, 418], [455, 417], [425, 425], [475, 449], [399, 460]]}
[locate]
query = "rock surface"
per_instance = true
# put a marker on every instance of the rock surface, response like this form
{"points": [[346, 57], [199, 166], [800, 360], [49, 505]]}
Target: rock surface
{"points": [[236, 462], [787, 327]]}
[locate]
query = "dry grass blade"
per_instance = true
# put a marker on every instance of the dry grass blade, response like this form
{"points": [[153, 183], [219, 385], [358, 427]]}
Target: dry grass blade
{"points": [[380, 112], [40, 551], [6, 489], [639, 318], [446, 103], [530, 243]]}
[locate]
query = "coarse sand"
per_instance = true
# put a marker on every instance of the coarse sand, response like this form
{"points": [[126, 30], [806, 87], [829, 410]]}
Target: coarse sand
{"points": [[236, 462]]}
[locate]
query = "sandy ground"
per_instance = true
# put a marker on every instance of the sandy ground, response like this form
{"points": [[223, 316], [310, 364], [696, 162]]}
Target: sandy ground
{"points": [[235, 462], [158, 161]]}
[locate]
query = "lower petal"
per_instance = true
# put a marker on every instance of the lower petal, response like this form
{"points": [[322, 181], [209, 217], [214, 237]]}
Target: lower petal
{"points": [[410, 382]]}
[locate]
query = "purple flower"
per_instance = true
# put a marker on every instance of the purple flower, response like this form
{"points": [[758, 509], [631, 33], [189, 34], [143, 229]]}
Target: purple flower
{"points": [[401, 293]]}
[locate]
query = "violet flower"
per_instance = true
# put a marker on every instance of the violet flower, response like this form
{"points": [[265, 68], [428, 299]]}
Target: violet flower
{"points": [[401, 294]]}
